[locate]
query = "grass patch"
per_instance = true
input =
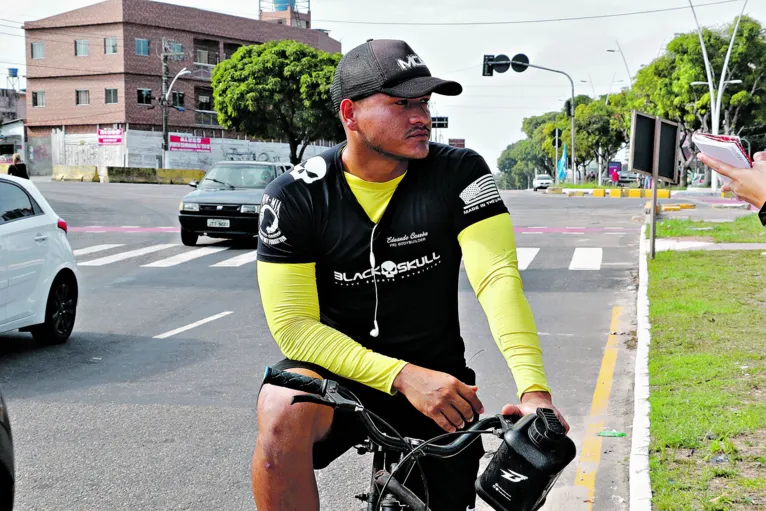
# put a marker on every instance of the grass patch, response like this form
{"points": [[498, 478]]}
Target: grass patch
{"points": [[707, 367], [745, 229]]}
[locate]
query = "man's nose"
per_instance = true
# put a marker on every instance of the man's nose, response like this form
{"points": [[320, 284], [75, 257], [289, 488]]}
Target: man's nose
{"points": [[420, 115]]}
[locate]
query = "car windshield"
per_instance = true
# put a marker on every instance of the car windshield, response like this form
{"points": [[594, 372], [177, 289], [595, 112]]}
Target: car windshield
{"points": [[543, 176], [239, 176]]}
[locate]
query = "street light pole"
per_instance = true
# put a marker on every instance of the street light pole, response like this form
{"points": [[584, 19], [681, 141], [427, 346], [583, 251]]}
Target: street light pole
{"points": [[571, 82], [624, 61], [164, 101], [716, 96]]}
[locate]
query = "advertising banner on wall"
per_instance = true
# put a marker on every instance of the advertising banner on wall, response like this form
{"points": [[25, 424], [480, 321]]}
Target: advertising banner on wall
{"points": [[109, 136], [189, 143]]}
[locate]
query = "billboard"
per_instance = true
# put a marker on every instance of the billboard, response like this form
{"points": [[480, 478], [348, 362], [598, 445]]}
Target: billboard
{"points": [[457, 142], [109, 136], [189, 143]]}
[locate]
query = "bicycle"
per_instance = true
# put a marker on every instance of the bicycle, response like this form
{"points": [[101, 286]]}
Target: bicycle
{"points": [[391, 454]]}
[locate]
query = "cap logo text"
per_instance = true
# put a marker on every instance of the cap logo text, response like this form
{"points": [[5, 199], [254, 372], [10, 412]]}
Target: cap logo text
{"points": [[412, 61]]}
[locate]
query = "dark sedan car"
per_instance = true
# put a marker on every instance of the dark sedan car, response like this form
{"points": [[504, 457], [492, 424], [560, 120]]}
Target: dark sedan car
{"points": [[6, 459], [227, 201]]}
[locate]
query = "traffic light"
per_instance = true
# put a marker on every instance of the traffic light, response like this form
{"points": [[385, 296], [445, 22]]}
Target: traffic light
{"points": [[568, 107], [487, 69]]}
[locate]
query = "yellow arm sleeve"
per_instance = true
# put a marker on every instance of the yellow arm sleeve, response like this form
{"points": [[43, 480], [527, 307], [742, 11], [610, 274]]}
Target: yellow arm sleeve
{"points": [[291, 304], [489, 253]]}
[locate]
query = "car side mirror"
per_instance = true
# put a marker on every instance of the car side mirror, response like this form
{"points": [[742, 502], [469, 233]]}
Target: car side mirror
{"points": [[193, 184]]}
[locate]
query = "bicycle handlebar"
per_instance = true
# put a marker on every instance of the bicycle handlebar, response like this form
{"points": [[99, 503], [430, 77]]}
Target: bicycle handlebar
{"points": [[331, 395], [294, 381]]}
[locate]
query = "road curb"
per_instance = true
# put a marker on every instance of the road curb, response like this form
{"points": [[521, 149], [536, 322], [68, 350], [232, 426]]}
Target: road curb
{"points": [[640, 485]]}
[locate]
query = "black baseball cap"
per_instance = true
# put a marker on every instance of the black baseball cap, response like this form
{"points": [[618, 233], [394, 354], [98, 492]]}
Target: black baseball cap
{"points": [[388, 66]]}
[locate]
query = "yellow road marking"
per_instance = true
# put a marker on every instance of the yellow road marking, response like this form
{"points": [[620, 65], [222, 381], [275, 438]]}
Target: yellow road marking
{"points": [[590, 457]]}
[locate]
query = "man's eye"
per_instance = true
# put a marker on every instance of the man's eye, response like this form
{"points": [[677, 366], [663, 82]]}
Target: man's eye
{"points": [[402, 102]]}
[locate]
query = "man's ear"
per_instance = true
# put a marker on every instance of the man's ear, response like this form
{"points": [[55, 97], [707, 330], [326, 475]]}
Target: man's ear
{"points": [[348, 114]]}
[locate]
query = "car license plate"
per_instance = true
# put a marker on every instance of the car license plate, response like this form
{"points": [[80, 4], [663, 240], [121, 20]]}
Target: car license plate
{"points": [[214, 222]]}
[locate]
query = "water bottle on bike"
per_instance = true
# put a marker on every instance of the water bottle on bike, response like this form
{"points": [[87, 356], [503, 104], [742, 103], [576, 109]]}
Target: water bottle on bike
{"points": [[530, 459]]}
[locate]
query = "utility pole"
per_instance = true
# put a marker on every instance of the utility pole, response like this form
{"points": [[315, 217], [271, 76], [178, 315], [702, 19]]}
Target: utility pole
{"points": [[164, 103]]}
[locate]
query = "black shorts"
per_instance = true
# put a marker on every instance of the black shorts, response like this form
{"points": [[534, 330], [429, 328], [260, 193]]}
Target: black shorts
{"points": [[450, 481]]}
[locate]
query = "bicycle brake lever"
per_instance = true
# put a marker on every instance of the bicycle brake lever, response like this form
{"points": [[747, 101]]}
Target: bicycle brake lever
{"points": [[311, 398]]}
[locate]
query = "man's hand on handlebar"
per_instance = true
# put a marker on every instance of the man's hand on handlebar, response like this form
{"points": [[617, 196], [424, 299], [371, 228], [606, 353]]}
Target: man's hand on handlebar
{"points": [[530, 402], [440, 396]]}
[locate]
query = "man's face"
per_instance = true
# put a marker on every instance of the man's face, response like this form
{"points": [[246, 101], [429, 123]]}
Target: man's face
{"points": [[396, 127]]}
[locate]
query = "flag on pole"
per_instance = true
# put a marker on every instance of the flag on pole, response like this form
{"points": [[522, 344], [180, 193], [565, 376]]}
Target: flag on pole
{"points": [[562, 165]]}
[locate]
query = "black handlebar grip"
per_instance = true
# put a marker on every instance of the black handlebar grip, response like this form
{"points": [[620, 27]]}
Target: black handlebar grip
{"points": [[293, 381]]}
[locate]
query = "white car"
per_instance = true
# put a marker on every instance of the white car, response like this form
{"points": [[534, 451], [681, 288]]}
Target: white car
{"points": [[541, 181], [38, 272]]}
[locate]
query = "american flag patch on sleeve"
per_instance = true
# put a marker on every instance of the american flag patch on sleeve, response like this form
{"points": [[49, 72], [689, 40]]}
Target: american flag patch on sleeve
{"points": [[480, 192]]}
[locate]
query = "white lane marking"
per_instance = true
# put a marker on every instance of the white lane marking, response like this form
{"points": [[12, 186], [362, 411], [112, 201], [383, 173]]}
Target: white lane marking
{"points": [[126, 255], [94, 248], [536, 227], [577, 233], [129, 226], [193, 325], [525, 256], [617, 264], [186, 256], [586, 259], [614, 228], [237, 261]]}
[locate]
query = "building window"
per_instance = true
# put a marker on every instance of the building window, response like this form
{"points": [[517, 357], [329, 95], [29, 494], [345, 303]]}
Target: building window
{"points": [[38, 99], [38, 50], [81, 48], [82, 97], [111, 96], [110, 45], [177, 48], [178, 99], [142, 47], [204, 102], [144, 96]]}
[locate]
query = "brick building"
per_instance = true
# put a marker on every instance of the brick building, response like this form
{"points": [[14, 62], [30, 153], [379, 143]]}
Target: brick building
{"points": [[92, 67]]}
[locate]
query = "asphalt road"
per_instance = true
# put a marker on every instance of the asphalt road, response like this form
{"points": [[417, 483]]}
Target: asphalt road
{"points": [[118, 419]]}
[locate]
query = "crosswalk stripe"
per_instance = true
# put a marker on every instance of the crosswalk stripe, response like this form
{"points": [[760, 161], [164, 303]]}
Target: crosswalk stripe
{"points": [[237, 261], [126, 255], [525, 256], [94, 248], [184, 257], [586, 259]]}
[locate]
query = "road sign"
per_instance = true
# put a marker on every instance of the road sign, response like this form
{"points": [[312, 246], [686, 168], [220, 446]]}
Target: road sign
{"points": [[439, 122], [556, 136], [487, 68], [520, 62], [654, 148]]}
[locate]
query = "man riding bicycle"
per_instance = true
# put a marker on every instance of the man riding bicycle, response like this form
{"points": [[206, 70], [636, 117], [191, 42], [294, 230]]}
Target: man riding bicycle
{"points": [[358, 264]]}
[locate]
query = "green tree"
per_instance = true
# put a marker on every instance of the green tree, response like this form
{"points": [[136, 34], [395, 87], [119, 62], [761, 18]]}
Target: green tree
{"points": [[281, 90], [600, 131]]}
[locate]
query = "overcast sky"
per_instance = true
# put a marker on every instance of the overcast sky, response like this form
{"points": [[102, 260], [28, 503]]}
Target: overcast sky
{"points": [[489, 112]]}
